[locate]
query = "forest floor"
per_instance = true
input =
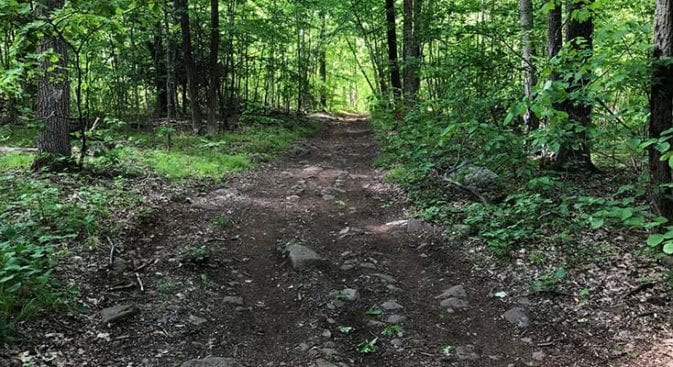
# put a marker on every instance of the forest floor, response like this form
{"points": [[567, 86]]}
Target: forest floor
{"points": [[217, 282]]}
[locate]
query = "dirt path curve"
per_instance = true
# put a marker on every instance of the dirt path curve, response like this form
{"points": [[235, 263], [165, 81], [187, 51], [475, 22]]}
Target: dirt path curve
{"points": [[247, 302]]}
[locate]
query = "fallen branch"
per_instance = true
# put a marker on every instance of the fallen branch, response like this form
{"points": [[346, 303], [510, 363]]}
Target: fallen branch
{"points": [[146, 264], [469, 190], [112, 253], [121, 287], [17, 150], [140, 282]]}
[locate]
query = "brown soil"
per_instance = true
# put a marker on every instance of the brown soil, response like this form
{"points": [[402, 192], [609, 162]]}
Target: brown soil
{"points": [[292, 318]]}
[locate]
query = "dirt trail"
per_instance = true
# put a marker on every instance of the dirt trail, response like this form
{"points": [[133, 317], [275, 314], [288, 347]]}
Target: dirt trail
{"points": [[329, 197]]}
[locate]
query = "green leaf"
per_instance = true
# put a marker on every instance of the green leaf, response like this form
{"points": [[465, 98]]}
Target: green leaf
{"points": [[655, 240], [668, 248]]}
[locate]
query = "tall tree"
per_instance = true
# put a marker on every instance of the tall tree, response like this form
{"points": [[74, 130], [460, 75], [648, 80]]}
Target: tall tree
{"points": [[661, 105], [554, 32], [182, 9], [530, 77], [53, 93], [393, 64], [411, 50], [214, 84], [579, 34]]}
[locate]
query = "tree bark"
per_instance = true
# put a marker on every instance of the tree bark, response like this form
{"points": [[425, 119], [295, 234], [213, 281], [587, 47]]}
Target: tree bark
{"points": [[53, 96], [393, 65], [159, 59], [322, 60], [530, 77], [411, 50], [182, 8], [579, 34], [214, 71], [661, 105]]}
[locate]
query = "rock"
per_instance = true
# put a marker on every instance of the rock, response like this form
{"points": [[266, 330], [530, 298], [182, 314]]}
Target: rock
{"points": [[324, 363], [119, 312], [375, 324], [301, 257], [350, 231], [454, 304], [302, 347], [347, 294], [196, 321], [466, 353], [419, 227], [119, 266], [367, 265], [227, 193], [394, 289], [233, 300], [391, 305], [326, 334], [477, 178], [292, 198], [460, 230], [396, 319], [211, 362], [518, 317], [385, 277], [457, 291], [397, 343], [347, 267], [539, 356]]}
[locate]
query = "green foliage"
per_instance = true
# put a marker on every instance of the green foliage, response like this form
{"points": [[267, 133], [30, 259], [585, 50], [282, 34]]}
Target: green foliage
{"points": [[195, 255], [37, 217], [549, 282], [368, 347], [221, 222]]}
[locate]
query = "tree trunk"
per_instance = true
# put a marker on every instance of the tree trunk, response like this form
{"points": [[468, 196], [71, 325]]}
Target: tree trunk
{"points": [[411, 50], [393, 66], [159, 59], [214, 72], [530, 78], [554, 32], [53, 96], [661, 104], [182, 8], [322, 60], [579, 34]]}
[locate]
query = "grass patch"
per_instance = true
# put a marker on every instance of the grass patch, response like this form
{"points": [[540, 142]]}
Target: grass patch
{"points": [[197, 157], [18, 136], [14, 161]]}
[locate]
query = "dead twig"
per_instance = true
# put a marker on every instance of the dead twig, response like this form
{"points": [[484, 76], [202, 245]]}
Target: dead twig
{"points": [[469, 190], [112, 252], [121, 287], [146, 264], [640, 288], [140, 282]]}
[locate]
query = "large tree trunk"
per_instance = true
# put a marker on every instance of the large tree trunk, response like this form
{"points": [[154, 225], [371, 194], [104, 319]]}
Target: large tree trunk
{"points": [[411, 50], [322, 60], [579, 34], [661, 104], [554, 32], [393, 65], [182, 8], [53, 96], [214, 84], [530, 77]]}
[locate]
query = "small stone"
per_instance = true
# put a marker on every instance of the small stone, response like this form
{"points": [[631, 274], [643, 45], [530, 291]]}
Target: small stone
{"points": [[391, 306], [375, 324], [324, 363], [367, 265], [211, 362], [419, 227], [302, 347], [330, 321], [301, 257], [454, 304], [328, 352], [385, 277], [394, 289], [233, 300], [466, 353], [119, 266], [347, 267], [396, 319], [539, 356], [292, 198], [326, 334], [119, 312], [457, 291], [518, 317], [347, 294], [397, 343], [196, 321]]}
